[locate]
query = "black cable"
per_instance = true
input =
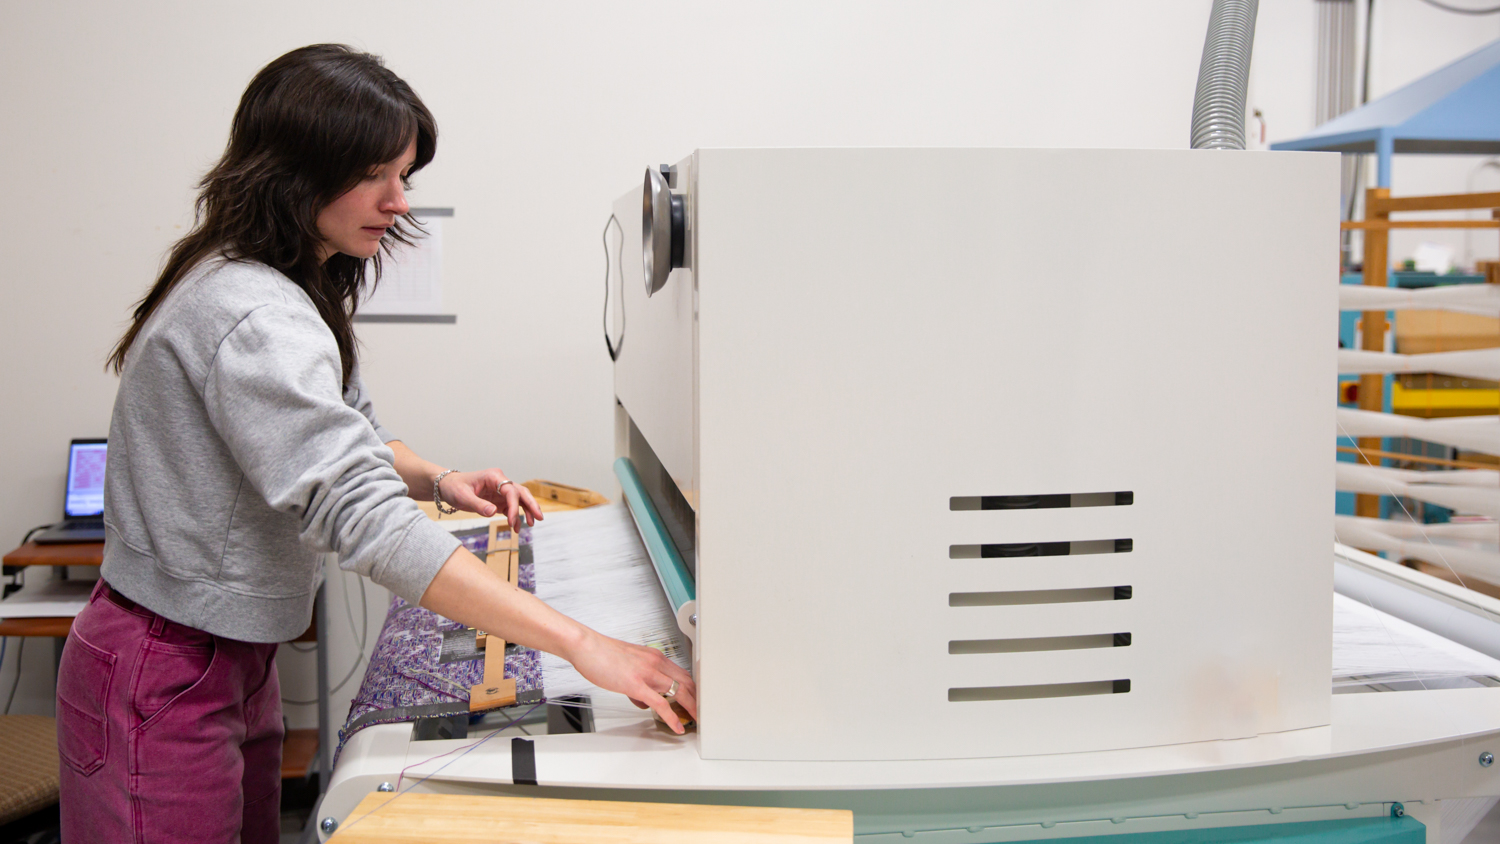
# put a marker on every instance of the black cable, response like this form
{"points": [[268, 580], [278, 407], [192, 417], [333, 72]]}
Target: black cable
{"points": [[18, 573], [20, 576], [20, 649], [362, 635], [1459, 10], [614, 351], [290, 702], [31, 532]]}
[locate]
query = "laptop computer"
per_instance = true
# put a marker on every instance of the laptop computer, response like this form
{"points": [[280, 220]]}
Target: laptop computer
{"points": [[83, 506]]}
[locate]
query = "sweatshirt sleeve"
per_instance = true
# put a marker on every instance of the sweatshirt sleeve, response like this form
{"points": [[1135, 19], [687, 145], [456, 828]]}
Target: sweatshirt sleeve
{"points": [[357, 397], [273, 394]]}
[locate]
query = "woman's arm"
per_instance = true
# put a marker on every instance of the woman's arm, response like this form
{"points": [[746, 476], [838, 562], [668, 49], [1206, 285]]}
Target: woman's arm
{"points": [[416, 472], [485, 492], [466, 591]]}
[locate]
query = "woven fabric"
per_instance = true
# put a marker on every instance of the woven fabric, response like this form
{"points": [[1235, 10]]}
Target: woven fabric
{"points": [[404, 670], [28, 779]]}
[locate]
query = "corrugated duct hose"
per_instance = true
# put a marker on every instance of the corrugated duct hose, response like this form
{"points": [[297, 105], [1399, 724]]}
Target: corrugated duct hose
{"points": [[1223, 76]]}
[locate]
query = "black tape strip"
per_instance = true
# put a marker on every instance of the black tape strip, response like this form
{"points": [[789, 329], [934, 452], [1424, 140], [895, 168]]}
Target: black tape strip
{"points": [[522, 761]]}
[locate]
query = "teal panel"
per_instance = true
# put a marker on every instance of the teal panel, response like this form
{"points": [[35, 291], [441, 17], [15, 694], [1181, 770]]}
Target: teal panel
{"points": [[1387, 830], [670, 570]]}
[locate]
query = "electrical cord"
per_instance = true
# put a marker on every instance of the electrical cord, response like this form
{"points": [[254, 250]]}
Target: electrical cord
{"points": [[1459, 10], [32, 532], [614, 350], [19, 581], [20, 651], [361, 635], [19, 575], [363, 631]]}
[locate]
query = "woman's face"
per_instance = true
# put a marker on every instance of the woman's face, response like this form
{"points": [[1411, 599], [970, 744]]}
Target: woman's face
{"points": [[355, 222]]}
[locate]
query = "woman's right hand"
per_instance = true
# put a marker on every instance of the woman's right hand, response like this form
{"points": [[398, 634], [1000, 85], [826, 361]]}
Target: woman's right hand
{"points": [[640, 673]]}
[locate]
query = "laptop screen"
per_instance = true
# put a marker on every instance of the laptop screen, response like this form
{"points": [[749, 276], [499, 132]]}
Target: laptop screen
{"points": [[85, 479]]}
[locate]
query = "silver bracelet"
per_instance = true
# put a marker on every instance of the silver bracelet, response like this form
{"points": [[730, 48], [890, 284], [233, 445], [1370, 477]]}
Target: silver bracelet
{"points": [[437, 495]]}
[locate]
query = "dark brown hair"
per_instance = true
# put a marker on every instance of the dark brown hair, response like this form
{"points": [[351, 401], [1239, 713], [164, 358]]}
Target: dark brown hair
{"points": [[310, 126]]}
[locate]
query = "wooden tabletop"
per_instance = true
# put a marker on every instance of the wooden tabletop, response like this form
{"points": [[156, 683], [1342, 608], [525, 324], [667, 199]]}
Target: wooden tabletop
{"points": [[412, 818], [67, 554], [57, 627]]}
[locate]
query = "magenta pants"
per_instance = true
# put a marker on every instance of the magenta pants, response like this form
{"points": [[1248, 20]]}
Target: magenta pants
{"points": [[166, 733]]}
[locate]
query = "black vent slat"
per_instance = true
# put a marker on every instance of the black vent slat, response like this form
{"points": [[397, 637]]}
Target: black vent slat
{"points": [[987, 693], [1050, 501], [1000, 550]]}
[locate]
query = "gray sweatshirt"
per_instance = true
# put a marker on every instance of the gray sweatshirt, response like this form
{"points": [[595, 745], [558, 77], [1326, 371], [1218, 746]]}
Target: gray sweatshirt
{"points": [[236, 458]]}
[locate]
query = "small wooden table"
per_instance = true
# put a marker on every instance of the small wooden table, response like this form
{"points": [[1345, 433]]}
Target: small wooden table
{"points": [[67, 554], [32, 554]]}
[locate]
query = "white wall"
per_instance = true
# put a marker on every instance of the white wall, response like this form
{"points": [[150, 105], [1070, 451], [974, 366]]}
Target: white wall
{"points": [[546, 113]]}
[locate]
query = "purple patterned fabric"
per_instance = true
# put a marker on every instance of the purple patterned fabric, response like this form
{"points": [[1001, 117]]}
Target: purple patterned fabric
{"points": [[404, 670]]}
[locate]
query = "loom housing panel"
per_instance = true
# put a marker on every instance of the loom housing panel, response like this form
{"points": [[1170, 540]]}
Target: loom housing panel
{"points": [[1069, 387]]}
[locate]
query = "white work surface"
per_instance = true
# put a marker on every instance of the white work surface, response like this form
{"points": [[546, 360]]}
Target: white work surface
{"points": [[48, 599], [635, 754]]}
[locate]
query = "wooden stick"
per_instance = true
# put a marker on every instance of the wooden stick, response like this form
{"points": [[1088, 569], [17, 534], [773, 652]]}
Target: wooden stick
{"points": [[1418, 458], [491, 696], [1372, 326], [1385, 204], [1349, 225], [564, 494], [504, 559]]}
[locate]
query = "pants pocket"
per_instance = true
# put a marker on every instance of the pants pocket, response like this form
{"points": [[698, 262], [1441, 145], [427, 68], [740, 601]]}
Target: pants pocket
{"points": [[167, 672], [83, 679]]}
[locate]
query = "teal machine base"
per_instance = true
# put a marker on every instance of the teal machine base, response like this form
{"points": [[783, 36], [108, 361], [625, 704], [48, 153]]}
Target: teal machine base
{"points": [[1389, 830]]}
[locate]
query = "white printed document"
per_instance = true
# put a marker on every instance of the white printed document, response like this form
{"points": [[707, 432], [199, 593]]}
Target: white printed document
{"points": [[48, 599]]}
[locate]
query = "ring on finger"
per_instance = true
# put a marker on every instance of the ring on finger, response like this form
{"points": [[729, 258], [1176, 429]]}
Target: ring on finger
{"points": [[670, 693]]}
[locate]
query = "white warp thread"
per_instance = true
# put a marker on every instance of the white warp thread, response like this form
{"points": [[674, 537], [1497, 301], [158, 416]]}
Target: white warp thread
{"points": [[1461, 815], [1473, 363], [1370, 643], [1476, 433], [1482, 299], [591, 566], [1466, 493], [1468, 551]]}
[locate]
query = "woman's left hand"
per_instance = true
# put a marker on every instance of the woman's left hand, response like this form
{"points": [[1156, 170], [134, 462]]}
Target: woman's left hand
{"points": [[488, 492]]}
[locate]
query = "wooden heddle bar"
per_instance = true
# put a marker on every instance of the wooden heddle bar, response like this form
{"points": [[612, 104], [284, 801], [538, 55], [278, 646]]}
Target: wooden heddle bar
{"points": [[504, 559]]}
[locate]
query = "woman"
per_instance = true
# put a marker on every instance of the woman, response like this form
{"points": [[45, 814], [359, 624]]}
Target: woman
{"points": [[242, 444]]}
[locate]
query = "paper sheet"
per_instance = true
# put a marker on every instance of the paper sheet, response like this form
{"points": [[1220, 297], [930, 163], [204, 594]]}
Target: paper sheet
{"points": [[411, 279], [48, 599]]}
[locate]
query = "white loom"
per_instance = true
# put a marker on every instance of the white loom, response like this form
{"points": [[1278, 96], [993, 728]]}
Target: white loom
{"points": [[930, 435]]}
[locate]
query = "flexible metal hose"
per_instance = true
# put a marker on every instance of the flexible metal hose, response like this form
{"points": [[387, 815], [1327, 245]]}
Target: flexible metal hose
{"points": [[1223, 75]]}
